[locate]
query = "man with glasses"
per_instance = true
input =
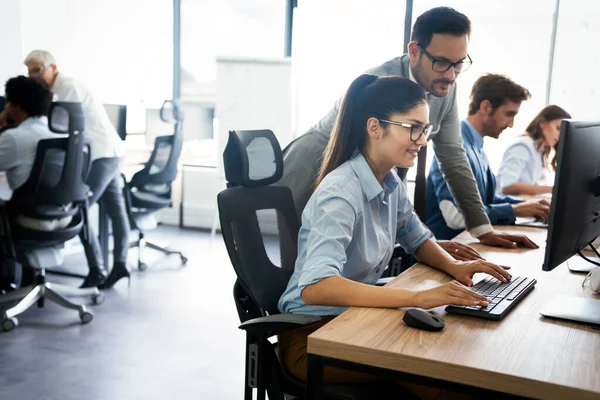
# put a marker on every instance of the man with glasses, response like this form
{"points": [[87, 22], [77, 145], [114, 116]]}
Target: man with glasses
{"points": [[437, 54], [104, 175], [495, 101]]}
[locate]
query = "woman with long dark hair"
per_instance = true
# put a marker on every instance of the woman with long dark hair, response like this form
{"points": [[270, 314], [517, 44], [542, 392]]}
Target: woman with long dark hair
{"points": [[526, 160], [357, 212]]}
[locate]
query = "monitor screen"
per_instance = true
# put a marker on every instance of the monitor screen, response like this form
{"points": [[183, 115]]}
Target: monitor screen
{"points": [[117, 114], [575, 210]]}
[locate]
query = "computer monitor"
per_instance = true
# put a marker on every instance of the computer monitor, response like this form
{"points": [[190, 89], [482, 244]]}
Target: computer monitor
{"points": [[575, 210], [117, 113]]}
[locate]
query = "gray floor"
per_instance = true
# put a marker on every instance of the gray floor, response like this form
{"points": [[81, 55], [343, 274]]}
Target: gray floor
{"points": [[172, 334]]}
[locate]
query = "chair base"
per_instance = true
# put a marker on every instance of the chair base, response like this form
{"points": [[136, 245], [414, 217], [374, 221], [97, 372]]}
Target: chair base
{"points": [[30, 295], [166, 250]]}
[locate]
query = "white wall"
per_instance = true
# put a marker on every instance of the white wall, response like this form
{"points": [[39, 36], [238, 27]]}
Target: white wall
{"points": [[10, 41], [121, 49]]}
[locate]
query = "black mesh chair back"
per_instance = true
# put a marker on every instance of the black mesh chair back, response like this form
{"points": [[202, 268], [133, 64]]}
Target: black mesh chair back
{"points": [[56, 186], [257, 218], [161, 169]]}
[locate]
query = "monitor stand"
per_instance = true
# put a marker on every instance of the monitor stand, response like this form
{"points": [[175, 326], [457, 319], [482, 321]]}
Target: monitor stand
{"points": [[578, 264], [573, 308]]}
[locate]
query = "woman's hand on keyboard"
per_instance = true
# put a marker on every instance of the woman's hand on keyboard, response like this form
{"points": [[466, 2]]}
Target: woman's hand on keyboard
{"points": [[450, 293], [463, 271]]}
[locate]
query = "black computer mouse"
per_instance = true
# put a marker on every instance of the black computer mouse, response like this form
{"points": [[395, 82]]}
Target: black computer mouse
{"points": [[421, 319]]}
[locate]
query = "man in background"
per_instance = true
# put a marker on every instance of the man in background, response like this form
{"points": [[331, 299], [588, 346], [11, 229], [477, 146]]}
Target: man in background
{"points": [[495, 102], [104, 175]]}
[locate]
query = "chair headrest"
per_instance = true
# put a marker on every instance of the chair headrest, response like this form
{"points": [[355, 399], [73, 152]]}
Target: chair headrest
{"points": [[65, 117], [252, 158]]}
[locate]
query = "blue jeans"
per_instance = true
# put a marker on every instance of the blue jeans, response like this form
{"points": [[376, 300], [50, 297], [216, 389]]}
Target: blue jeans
{"points": [[104, 182]]}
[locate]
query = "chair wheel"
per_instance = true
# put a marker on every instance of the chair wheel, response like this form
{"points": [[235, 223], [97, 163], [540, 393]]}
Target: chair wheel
{"points": [[184, 260], [142, 266], [86, 316], [98, 298], [8, 324]]}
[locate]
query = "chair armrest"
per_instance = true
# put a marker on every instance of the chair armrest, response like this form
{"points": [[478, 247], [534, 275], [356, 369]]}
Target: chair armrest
{"points": [[384, 281], [398, 251], [278, 322]]}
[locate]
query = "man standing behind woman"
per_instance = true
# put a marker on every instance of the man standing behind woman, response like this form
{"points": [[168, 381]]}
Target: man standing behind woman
{"points": [[104, 174]]}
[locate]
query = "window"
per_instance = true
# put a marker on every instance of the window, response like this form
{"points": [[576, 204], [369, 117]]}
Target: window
{"points": [[122, 50], [511, 37], [334, 41], [212, 28], [575, 85]]}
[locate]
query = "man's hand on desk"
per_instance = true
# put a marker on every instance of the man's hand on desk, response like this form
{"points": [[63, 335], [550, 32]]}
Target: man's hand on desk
{"points": [[503, 239], [539, 208], [463, 271], [460, 251]]}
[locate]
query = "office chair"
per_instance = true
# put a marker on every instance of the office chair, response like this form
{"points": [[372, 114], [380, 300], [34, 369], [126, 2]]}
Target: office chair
{"points": [[52, 192], [253, 161], [149, 190]]}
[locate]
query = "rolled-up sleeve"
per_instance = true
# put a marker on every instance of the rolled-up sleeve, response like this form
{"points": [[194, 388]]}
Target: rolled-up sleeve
{"points": [[330, 234], [410, 231]]}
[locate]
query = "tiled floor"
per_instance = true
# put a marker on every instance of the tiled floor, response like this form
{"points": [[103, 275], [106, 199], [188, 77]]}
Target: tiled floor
{"points": [[172, 335]]}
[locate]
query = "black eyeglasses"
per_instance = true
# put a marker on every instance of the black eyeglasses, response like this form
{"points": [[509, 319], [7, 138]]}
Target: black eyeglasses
{"points": [[35, 71], [416, 130], [442, 65]]}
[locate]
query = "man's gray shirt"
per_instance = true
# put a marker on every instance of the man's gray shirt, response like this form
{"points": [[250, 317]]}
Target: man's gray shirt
{"points": [[303, 157]]}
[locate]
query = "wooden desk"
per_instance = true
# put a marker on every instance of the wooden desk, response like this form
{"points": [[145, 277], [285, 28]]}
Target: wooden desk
{"points": [[525, 354]]}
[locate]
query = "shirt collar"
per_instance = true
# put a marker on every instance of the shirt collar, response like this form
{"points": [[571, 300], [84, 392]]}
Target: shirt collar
{"points": [[474, 136], [40, 120], [412, 79], [370, 186]]}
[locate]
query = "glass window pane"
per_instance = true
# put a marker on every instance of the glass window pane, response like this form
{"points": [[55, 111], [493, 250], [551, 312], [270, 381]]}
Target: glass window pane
{"points": [[121, 49], [334, 42], [511, 37], [575, 85], [212, 28]]}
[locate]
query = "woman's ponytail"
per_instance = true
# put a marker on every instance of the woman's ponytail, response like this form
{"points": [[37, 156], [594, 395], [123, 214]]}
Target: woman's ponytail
{"points": [[347, 134]]}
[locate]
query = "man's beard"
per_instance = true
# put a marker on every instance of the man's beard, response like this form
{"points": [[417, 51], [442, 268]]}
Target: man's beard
{"points": [[430, 89]]}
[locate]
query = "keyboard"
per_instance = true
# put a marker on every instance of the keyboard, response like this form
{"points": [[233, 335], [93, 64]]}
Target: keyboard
{"points": [[531, 221], [502, 297]]}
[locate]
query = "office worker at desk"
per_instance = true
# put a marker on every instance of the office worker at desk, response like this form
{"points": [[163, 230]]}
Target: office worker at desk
{"points": [[437, 54], [104, 175], [358, 210], [526, 161], [27, 104], [495, 102]]}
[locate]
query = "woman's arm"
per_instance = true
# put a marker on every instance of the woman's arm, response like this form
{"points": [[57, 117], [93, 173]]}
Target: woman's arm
{"points": [[432, 254], [518, 188], [342, 292]]}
